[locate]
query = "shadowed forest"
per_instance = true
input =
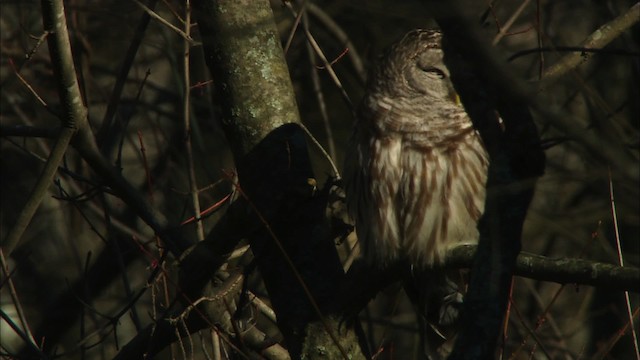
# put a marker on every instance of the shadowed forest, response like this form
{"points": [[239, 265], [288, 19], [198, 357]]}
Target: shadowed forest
{"points": [[170, 179]]}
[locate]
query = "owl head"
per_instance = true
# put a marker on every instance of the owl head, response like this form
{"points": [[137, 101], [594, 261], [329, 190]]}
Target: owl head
{"points": [[414, 67]]}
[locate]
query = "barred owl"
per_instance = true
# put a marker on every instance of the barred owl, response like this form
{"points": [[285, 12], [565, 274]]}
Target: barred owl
{"points": [[415, 170]]}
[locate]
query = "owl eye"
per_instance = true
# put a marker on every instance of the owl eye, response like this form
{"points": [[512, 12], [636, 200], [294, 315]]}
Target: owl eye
{"points": [[431, 69]]}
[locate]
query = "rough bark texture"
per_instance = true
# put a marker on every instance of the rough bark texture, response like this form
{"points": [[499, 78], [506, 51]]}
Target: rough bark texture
{"points": [[561, 270], [243, 52], [285, 222]]}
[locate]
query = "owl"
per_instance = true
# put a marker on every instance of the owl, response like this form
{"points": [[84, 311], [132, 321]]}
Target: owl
{"points": [[415, 168]]}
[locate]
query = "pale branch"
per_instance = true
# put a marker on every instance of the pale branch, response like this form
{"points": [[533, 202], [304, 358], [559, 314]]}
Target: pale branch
{"points": [[73, 115], [597, 40], [243, 51], [577, 49], [560, 270]]}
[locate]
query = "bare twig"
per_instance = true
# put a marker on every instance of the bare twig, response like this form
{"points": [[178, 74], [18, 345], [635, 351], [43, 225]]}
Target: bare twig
{"points": [[317, 89], [335, 29], [326, 63], [28, 336], [28, 86], [35, 48], [604, 352], [193, 183], [317, 144], [505, 28], [164, 22], [22, 335], [614, 215]]}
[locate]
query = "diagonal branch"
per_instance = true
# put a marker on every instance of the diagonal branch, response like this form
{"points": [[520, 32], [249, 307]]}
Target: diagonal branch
{"points": [[597, 40], [73, 116]]}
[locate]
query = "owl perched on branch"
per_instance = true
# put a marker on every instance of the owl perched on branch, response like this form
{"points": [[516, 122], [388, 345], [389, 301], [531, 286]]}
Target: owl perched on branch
{"points": [[415, 169], [415, 175]]}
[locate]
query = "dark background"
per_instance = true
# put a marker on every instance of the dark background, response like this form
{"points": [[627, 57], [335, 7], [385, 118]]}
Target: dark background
{"points": [[571, 214]]}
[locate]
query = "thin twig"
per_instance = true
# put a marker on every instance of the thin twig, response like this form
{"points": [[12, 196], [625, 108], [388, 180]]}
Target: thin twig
{"points": [[145, 163], [293, 30], [539, 37], [193, 182], [27, 85], [16, 301], [335, 29], [317, 144], [577, 49], [606, 349], [530, 332], [505, 28], [614, 215], [317, 89], [22, 335], [35, 48], [164, 22], [327, 64]]}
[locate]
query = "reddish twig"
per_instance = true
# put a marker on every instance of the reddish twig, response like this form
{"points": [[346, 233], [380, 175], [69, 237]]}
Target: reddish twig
{"points": [[343, 53]]}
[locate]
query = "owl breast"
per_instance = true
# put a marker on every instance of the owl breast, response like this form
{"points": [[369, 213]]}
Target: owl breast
{"points": [[419, 189], [416, 169]]}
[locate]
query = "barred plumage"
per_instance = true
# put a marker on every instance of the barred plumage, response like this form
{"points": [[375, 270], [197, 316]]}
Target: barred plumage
{"points": [[415, 170]]}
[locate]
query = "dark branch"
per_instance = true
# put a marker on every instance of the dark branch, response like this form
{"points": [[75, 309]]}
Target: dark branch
{"points": [[582, 50], [560, 270]]}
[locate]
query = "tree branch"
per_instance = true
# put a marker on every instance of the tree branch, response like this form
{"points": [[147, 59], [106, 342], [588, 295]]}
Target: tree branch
{"points": [[278, 211], [243, 52], [597, 40], [560, 270], [73, 116], [516, 157]]}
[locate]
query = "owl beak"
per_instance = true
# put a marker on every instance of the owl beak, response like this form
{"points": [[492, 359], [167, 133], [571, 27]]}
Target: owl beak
{"points": [[453, 95]]}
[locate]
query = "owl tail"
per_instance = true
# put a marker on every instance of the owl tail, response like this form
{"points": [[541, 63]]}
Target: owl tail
{"points": [[438, 302]]}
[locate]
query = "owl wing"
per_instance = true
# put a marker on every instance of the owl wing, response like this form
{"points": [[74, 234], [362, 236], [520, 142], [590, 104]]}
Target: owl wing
{"points": [[372, 176]]}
